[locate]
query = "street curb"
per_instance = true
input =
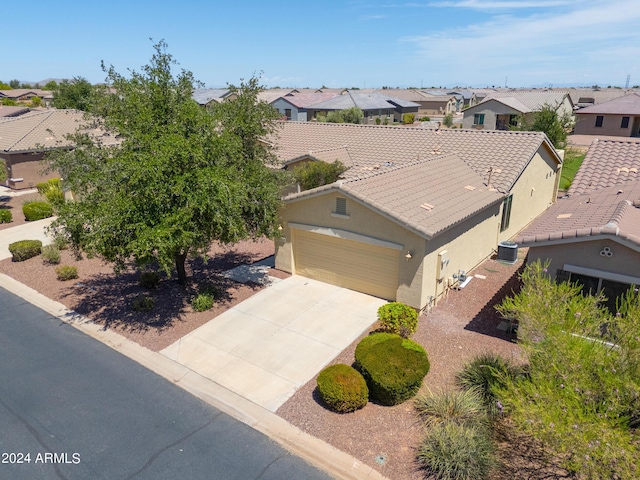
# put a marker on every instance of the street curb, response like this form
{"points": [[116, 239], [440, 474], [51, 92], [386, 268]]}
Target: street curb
{"points": [[315, 451]]}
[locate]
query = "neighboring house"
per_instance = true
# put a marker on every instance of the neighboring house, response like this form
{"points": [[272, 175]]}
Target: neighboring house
{"points": [[416, 208], [7, 111], [373, 105], [206, 96], [501, 110], [293, 106], [25, 139], [619, 117], [23, 95], [593, 236], [587, 97]]}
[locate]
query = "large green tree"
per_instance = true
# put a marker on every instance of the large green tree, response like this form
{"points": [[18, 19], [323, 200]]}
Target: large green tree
{"points": [[181, 177], [547, 120], [77, 93]]}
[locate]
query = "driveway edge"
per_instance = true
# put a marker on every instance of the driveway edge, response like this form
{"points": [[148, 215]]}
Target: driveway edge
{"points": [[315, 451]]}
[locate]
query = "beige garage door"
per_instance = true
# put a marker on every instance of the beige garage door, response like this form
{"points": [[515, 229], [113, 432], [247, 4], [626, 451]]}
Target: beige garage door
{"points": [[355, 265]]}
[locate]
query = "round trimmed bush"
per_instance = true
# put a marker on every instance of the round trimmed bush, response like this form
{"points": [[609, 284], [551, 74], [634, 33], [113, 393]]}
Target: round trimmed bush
{"points": [[37, 211], [6, 216], [342, 388], [25, 249], [66, 272], [398, 318], [392, 366]]}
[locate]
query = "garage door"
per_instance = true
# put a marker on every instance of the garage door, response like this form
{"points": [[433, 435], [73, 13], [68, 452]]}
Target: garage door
{"points": [[347, 263]]}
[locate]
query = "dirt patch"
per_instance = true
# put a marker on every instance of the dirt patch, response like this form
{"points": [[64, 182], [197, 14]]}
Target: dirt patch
{"points": [[107, 298]]}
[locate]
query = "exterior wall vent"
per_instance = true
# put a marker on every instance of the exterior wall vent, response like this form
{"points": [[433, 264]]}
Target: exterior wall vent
{"points": [[341, 206]]}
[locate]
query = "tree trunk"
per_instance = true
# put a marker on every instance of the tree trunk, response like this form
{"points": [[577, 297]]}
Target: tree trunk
{"points": [[181, 258]]}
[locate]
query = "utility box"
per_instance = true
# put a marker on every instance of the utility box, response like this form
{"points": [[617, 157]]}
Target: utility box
{"points": [[442, 266], [508, 252]]}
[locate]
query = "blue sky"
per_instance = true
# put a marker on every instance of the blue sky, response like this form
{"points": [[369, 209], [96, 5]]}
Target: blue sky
{"points": [[348, 43]]}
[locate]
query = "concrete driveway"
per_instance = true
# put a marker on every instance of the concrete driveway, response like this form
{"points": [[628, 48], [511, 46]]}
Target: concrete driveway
{"points": [[28, 231], [268, 346]]}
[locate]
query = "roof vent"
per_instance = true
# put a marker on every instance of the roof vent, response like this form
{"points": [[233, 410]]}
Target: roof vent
{"points": [[427, 206], [470, 187], [564, 215]]}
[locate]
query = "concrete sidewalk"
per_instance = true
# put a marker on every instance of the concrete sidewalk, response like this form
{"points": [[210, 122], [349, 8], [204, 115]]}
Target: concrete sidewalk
{"points": [[268, 346], [313, 450], [28, 231]]}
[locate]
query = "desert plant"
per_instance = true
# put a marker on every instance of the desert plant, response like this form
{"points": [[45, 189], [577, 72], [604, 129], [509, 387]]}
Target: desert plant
{"points": [[316, 174], [447, 120], [149, 279], [393, 367], [203, 301], [408, 118], [50, 254], [52, 190], [143, 304], [37, 211], [6, 216], [457, 452], [398, 318], [66, 272], [424, 119], [60, 242], [464, 407], [343, 388], [25, 249]]}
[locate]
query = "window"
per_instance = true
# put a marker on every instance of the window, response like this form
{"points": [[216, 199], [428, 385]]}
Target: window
{"points": [[599, 120], [625, 122], [341, 206], [287, 112], [478, 118], [506, 213], [593, 285]]}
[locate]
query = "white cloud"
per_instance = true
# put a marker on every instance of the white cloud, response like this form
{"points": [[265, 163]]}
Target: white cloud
{"points": [[554, 47]]}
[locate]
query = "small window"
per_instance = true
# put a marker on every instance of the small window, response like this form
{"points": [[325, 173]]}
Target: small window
{"points": [[506, 213], [287, 112], [625, 122], [478, 118], [599, 120], [341, 206]]}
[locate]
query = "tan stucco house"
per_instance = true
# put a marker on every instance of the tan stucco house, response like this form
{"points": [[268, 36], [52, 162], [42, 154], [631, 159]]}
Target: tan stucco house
{"points": [[593, 235], [416, 210], [617, 117]]}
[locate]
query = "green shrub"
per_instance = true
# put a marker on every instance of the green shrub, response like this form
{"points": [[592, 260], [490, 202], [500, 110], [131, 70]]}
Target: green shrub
{"points": [[202, 302], [457, 452], [60, 242], [484, 373], [66, 272], [343, 388], [25, 249], [393, 367], [408, 118], [447, 120], [398, 318], [37, 211], [149, 279], [424, 119], [464, 407], [52, 190], [143, 304], [6, 216], [378, 121], [316, 174], [50, 254]]}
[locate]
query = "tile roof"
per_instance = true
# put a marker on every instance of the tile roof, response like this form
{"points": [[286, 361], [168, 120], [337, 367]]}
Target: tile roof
{"points": [[590, 96], [375, 149], [303, 100], [607, 163], [532, 99], [19, 92], [41, 130], [626, 105], [7, 111], [205, 95], [364, 101], [613, 211], [273, 94]]}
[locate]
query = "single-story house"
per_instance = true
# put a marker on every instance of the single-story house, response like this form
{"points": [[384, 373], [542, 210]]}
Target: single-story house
{"points": [[25, 139], [500, 110], [206, 96], [593, 235], [587, 97], [415, 210], [619, 117], [22, 95], [294, 106], [373, 105]]}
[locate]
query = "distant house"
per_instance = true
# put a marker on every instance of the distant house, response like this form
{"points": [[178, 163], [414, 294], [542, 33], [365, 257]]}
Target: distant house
{"points": [[206, 96], [501, 110], [294, 106], [415, 210], [619, 117], [23, 95], [373, 105], [593, 235], [588, 97], [25, 139]]}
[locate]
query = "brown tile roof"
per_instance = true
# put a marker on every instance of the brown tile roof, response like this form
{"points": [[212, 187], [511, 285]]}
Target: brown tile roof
{"points": [[613, 211], [19, 92], [375, 149], [532, 99], [607, 163], [7, 111], [40, 130], [626, 105], [302, 100]]}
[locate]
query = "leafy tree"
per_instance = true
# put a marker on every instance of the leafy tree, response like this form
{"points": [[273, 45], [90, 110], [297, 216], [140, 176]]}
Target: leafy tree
{"points": [[14, 83], [181, 178], [348, 115], [50, 85], [36, 101], [10, 102], [5, 86], [581, 397], [77, 93], [316, 174], [547, 120]]}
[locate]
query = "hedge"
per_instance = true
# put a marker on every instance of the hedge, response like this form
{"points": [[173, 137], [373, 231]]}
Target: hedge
{"points": [[37, 211], [25, 249]]}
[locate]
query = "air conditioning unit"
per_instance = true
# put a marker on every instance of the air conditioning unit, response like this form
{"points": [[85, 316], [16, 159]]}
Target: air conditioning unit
{"points": [[508, 252]]}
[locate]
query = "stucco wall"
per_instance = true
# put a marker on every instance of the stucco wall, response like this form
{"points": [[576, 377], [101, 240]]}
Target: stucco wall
{"points": [[27, 166], [586, 125], [318, 210], [491, 110], [533, 192], [624, 261]]}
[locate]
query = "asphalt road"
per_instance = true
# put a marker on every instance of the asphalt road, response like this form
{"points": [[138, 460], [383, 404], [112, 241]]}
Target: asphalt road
{"points": [[80, 410]]}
